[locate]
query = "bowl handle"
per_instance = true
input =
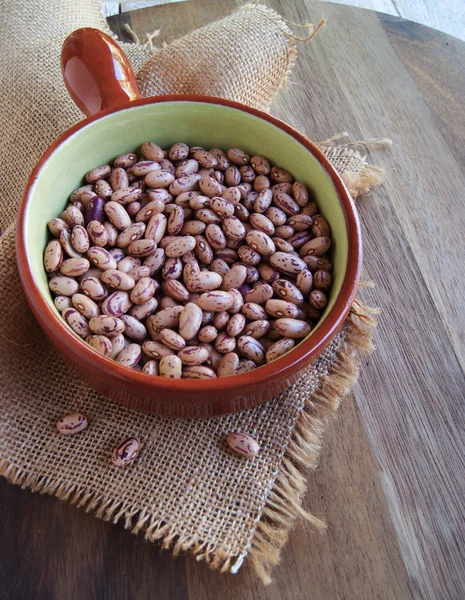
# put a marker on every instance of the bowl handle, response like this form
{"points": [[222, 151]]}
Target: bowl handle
{"points": [[96, 71]]}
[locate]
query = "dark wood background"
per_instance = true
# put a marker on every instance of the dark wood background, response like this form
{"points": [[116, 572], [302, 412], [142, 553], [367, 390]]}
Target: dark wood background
{"points": [[390, 481]]}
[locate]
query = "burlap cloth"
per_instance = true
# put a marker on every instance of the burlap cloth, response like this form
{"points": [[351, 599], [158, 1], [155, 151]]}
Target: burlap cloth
{"points": [[187, 489]]}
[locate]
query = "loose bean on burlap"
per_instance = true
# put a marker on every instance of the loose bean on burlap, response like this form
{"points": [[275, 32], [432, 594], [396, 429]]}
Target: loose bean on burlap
{"points": [[187, 489]]}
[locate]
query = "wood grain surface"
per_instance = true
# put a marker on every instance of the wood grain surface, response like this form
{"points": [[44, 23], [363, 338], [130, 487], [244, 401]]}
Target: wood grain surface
{"points": [[391, 478]]}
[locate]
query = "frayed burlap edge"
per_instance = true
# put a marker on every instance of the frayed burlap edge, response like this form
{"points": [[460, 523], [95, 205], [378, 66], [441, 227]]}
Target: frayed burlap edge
{"points": [[359, 176], [283, 504]]}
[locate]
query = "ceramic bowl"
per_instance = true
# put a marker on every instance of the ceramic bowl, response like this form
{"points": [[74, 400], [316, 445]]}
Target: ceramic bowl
{"points": [[101, 82]]}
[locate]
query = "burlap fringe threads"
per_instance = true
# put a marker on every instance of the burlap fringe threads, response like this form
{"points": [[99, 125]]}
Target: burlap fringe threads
{"points": [[359, 176], [283, 504]]}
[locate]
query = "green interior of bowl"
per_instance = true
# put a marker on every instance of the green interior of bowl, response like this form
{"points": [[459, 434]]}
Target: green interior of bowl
{"points": [[195, 123]]}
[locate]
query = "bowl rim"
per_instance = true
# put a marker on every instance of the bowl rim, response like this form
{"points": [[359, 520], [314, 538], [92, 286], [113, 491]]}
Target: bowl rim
{"points": [[305, 351]]}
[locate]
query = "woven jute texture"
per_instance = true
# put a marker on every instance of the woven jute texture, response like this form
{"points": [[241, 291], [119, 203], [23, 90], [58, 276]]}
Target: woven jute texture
{"points": [[211, 61], [186, 489], [35, 107]]}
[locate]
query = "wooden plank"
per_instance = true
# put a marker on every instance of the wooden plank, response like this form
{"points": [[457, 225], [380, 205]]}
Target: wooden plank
{"points": [[384, 6], [118, 23], [357, 557], [412, 400], [435, 64], [410, 394], [51, 550], [175, 20]]}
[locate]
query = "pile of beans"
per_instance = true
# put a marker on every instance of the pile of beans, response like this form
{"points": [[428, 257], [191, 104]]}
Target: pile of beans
{"points": [[190, 263]]}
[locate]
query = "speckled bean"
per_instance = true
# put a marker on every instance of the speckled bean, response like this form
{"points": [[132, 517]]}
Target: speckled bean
{"points": [[100, 343], [87, 307], [141, 311], [187, 183], [228, 365], [253, 311], [225, 343], [215, 301], [118, 179], [67, 245], [322, 280], [263, 201], [175, 289], [64, 286], [129, 356], [287, 263], [117, 214], [74, 267], [53, 256], [76, 321], [243, 444], [155, 261], [198, 372], [284, 231], [116, 304], [207, 334], [156, 349], [133, 328], [316, 247], [80, 239], [194, 227], [119, 280], [251, 348], [170, 366], [178, 151], [172, 268], [260, 242], [97, 233], [286, 290], [235, 277], [101, 258], [93, 288], [193, 355], [151, 368], [317, 263], [125, 160], [180, 246], [236, 325], [62, 302], [56, 226], [260, 294], [262, 223], [106, 325], [257, 329], [245, 365], [72, 423], [168, 317], [126, 452], [141, 248], [318, 299], [304, 282], [279, 348], [292, 328], [234, 228]]}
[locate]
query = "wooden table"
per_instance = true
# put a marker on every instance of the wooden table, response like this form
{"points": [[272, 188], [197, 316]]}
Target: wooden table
{"points": [[391, 477]]}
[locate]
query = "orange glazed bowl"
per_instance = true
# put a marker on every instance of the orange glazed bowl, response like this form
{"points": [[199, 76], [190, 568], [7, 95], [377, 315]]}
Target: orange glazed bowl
{"points": [[102, 84]]}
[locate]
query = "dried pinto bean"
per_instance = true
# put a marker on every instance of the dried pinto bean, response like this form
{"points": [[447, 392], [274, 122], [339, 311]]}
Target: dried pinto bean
{"points": [[211, 261]]}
